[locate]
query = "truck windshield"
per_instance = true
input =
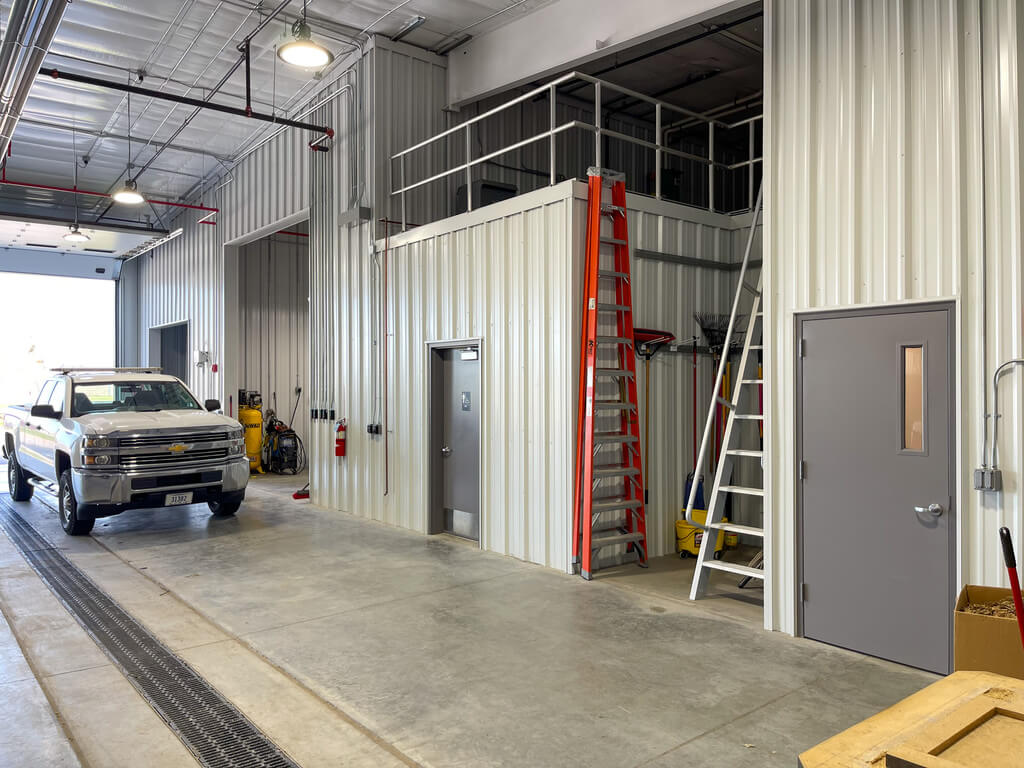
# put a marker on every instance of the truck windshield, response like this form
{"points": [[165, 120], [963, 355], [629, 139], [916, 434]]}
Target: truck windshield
{"points": [[121, 396]]}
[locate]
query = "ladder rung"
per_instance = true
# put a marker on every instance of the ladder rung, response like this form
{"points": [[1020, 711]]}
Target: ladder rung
{"points": [[618, 502], [613, 307], [613, 273], [614, 372], [614, 340], [613, 405], [739, 570], [722, 401], [613, 241], [612, 210], [749, 530], [613, 437], [759, 314], [748, 287], [756, 346], [610, 539], [749, 416], [745, 452], [742, 489], [615, 470], [751, 381]]}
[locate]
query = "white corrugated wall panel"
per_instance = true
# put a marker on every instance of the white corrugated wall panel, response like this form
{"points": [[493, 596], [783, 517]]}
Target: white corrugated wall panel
{"points": [[502, 275], [665, 297], [273, 302], [877, 115]]}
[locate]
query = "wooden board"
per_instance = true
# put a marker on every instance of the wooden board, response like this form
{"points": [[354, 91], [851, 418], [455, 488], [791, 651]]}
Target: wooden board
{"points": [[967, 719]]}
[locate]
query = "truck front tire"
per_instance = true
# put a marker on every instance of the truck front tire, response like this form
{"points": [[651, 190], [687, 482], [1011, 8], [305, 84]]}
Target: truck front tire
{"points": [[67, 508], [17, 481], [227, 505]]}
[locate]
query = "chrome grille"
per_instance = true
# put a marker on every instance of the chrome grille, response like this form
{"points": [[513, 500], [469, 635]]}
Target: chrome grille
{"points": [[150, 441], [169, 457]]}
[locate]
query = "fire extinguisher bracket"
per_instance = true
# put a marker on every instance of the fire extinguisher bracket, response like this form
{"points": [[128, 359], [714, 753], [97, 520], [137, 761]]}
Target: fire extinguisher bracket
{"points": [[339, 439]]}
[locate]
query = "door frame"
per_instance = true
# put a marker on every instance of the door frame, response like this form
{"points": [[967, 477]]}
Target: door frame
{"points": [[950, 306], [433, 491]]}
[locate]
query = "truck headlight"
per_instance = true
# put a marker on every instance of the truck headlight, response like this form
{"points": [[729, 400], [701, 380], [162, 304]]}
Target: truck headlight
{"points": [[235, 434], [97, 442], [102, 460]]}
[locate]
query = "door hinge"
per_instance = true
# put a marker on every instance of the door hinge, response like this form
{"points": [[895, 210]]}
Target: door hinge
{"points": [[803, 592], [803, 347], [802, 469]]}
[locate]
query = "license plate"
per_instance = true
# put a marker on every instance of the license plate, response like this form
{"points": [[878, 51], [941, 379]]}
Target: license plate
{"points": [[177, 499]]}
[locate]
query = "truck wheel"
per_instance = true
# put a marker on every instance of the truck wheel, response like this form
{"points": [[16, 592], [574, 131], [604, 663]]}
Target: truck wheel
{"points": [[224, 508], [17, 482], [67, 508]]}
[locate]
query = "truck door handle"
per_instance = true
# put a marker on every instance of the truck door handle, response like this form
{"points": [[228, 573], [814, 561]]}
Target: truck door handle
{"points": [[935, 510], [446, 451]]}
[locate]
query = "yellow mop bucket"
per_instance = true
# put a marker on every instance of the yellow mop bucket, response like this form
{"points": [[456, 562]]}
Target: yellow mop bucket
{"points": [[688, 537]]}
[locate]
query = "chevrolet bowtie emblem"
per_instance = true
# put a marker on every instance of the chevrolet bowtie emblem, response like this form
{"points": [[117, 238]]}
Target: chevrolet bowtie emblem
{"points": [[178, 448]]}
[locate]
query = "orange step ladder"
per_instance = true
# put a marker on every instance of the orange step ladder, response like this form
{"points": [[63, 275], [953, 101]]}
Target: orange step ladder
{"points": [[608, 495]]}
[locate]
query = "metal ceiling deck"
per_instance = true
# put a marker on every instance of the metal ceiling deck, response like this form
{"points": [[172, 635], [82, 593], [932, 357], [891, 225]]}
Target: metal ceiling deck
{"points": [[184, 47]]}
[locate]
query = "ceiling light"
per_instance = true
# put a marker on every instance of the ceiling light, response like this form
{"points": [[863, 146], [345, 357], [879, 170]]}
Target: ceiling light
{"points": [[303, 51], [129, 194], [75, 235]]}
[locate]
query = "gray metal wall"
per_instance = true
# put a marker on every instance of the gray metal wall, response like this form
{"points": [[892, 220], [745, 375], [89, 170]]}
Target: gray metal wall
{"points": [[273, 305], [895, 148]]}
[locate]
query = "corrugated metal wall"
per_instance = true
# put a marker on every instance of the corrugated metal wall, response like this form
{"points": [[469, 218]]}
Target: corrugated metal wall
{"points": [[273, 304], [894, 148], [665, 297], [502, 274]]}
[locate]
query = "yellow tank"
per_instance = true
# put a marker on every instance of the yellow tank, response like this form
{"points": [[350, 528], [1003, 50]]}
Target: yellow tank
{"points": [[251, 420]]}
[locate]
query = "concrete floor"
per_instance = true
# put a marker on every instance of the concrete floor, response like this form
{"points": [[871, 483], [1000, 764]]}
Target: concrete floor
{"points": [[403, 649]]}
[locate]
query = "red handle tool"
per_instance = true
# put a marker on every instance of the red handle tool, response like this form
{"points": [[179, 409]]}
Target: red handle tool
{"points": [[1011, 568]]}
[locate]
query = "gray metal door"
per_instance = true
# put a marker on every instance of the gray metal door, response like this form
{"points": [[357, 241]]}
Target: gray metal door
{"points": [[174, 351], [877, 530], [457, 406]]}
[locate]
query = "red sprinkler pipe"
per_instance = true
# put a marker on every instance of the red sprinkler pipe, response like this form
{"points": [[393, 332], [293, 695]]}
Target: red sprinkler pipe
{"points": [[1011, 568], [76, 191]]}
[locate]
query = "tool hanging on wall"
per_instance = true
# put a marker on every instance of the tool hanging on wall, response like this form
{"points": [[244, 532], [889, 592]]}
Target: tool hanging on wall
{"points": [[607, 390], [647, 344]]}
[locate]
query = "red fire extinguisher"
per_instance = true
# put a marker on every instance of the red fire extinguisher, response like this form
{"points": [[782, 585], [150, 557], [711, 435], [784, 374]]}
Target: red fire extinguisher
{"points": [[339, 439]]}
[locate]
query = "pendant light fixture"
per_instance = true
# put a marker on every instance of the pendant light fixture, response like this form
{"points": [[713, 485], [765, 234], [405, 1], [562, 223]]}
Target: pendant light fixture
{"points": [[303, 51], [129, 191], [74, 234]]}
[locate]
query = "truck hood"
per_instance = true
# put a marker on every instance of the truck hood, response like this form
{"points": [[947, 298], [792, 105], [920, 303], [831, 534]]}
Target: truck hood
{"points": [[127, 421]]}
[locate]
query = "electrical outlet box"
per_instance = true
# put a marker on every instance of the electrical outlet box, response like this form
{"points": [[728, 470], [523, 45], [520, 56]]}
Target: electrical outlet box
{"points": [[373, 429], [988, 479]]}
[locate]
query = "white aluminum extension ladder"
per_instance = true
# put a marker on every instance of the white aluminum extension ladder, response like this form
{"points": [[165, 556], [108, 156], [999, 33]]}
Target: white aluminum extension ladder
{"points": [[740, 418]]}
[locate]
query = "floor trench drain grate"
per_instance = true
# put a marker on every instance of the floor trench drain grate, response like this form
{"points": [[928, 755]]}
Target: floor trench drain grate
{"points": [[213, 729]]}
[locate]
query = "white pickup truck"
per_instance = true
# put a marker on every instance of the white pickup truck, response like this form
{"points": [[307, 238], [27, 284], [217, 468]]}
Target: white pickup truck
{"points": [[113, 440]]}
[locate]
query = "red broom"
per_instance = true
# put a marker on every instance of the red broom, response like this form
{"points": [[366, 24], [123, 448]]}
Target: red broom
{"points": [[1011, 568]]}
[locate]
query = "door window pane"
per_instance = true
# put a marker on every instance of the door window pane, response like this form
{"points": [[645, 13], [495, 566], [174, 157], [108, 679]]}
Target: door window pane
{"points": [[913, 398]]}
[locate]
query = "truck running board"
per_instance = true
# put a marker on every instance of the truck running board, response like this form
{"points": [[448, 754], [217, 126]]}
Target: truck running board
{"points": [[43, 485]]}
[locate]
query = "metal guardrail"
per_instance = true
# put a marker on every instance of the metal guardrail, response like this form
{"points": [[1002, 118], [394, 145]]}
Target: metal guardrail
{"points": [[601, 87]]}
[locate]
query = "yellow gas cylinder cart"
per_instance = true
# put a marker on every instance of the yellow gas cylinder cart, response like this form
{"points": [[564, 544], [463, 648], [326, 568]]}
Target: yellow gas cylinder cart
{"points": [[688, 537], [250, 416]]}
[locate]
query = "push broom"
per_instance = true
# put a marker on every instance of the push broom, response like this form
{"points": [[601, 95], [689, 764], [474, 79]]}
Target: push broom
{"points": [[1011, 568]]}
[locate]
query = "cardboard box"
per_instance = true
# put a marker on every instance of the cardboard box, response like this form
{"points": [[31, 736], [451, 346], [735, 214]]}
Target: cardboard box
{"points": [[986, 643]]}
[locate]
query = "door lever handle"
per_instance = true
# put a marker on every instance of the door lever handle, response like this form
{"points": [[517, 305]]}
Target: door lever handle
{"points": [[446, 451], [935, 510]]}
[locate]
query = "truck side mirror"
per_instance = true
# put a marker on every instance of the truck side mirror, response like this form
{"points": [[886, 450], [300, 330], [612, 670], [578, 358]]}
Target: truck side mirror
{"points": [[212, 405], [44, 412]]}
